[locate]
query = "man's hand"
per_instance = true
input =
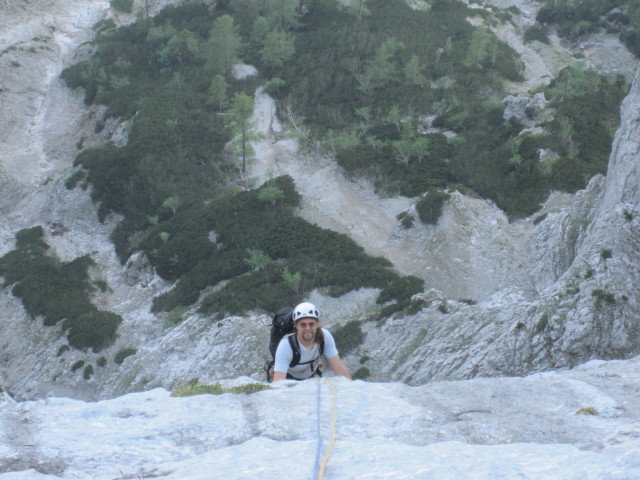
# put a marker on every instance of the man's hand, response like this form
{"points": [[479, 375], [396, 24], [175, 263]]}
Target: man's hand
{"points": [[279, 376], [338, 367]]}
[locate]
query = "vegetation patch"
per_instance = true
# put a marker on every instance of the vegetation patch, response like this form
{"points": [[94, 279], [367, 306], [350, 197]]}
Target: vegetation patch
{"points": [[169, 77], [536, 33], [429, 207], [602, 297], [576, 18], [77, 365], [124, 353], [194, 388], [58, 291], [377, 72], [348, 336], [268, 256], [122, 5], [587, 411], [62, 349], [605, 253], [88, 372], [542, 323], [361, 373]]}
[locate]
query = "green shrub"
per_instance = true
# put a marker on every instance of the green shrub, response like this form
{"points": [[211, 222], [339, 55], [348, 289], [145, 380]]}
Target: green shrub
{"points": [[348, 336], [576, 18], [602, 296], [536, 33], [401, 289], [57, 290], [175, 316], [361, 373], [102, 362], [88, 372], [195, 388], [191, 389], [77, 365], [122, 5], [94, 329], [274, 85], [605, 253], [62, 349], [73, 180], [124, 353], [539, 219], [429, 207], [101, 285], [406, 219], [542, 323]]}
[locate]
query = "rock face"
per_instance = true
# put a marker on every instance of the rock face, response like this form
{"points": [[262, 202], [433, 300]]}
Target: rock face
{"points": [[507, 298], [582, 423], [584, 303]]}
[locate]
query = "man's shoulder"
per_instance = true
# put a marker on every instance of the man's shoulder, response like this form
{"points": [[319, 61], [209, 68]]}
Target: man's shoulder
{"points": [[284, 345]]}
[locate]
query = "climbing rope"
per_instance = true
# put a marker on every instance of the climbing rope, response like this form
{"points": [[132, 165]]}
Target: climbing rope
{"points": [[320, 467]]}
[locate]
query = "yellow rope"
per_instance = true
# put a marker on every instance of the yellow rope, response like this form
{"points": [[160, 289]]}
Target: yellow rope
{"points": [[334, 407]]}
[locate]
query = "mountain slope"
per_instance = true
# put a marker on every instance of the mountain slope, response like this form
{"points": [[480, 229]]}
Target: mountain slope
{"points": [[503, 297]]}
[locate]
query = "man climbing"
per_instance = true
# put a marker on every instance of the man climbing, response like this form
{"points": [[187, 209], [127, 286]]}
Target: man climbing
{"points": [[298, 354]]}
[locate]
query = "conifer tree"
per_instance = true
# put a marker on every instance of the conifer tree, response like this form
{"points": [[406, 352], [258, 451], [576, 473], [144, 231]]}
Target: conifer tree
{"points": [[277, 48], [218, 92], [223, 46], [240, 112]]}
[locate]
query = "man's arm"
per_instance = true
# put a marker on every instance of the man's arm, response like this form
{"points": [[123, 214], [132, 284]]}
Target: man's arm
{"points": [[283, 358], [338, 367]]}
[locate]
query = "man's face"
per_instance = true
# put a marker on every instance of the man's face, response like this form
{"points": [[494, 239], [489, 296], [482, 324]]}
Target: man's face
{"points": [[307, 328]]}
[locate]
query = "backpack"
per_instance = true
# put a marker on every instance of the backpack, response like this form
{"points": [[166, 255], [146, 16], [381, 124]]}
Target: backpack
{"points": [[283, 325]]}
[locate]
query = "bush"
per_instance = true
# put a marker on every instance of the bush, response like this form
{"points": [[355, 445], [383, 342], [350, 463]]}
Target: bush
{"points": [[57, 291], [429, 207], [122, 5], [406, 220], [401, 289], [348, 336], [62, 349], [124, 353], [536, 33], [77, 365], [88, 372], [602, 296], [361, 373], [94, 329], [73, 180]]}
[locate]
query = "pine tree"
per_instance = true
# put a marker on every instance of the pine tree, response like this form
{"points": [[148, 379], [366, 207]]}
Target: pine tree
{"points": [[223, 46], [218, 92], [277, 48], [240, 113]]}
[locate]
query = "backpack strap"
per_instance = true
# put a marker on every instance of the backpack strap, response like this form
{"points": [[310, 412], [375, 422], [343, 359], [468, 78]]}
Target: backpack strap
{"points": [[295, 348]]}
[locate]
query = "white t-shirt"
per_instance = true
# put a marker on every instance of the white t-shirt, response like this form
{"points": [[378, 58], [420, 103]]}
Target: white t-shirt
{"points": [[284, 355]]}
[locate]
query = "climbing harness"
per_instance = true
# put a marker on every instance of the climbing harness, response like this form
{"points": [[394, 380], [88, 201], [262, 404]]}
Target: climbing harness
{"points": [[320, 466]]}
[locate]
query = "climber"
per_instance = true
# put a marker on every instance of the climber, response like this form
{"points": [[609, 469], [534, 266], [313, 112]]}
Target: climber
{"points": [[298, 354]]}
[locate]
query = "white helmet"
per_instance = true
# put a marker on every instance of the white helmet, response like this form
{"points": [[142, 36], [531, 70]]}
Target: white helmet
{"points": [[305, 310]]}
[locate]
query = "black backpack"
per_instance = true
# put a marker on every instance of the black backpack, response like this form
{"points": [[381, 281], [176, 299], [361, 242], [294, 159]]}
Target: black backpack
{"points": [[283, 325]]}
